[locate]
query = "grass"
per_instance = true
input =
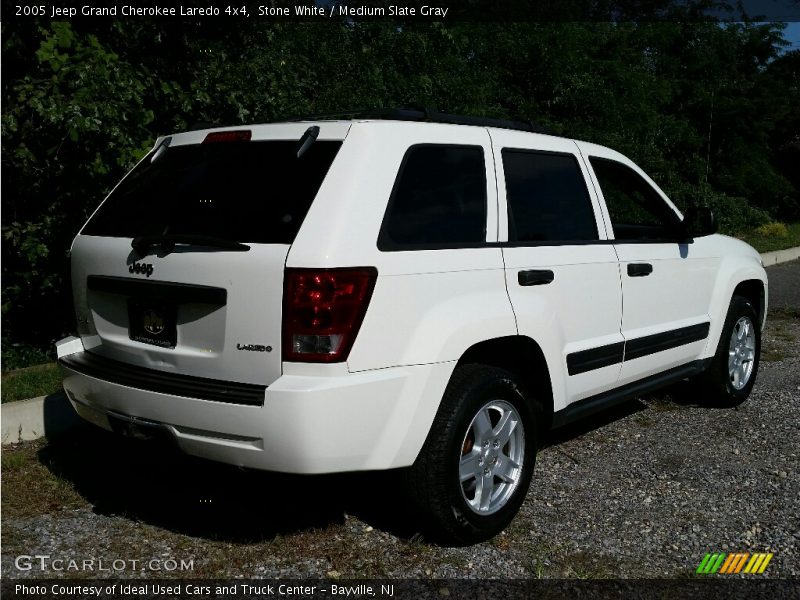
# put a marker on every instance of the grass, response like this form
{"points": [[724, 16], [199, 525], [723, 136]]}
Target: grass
{"points": [[31, 382], [542, 555], [780, 337], [768, 238], [643, 420], [785, 336], [772, 355], [30, 488], [587, 565], [663, 404], [783, 312]]}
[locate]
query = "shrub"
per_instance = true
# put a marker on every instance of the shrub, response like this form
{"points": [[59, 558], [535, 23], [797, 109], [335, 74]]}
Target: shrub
{"points": [[773, 230], [733, 214], [17, 355]]}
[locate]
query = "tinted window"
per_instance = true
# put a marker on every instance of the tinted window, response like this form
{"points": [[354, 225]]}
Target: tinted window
{"points": [[547, 198], [243, 191], [439, 199], [637, 211]]}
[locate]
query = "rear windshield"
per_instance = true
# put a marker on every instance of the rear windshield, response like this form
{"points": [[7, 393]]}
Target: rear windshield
{"points": [[240, 191]]}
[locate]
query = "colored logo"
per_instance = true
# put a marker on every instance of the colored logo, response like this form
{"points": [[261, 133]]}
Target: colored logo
{"points": [[742, 562]]}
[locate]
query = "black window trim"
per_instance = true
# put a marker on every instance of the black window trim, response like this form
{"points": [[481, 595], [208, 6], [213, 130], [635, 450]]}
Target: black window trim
{"points": [[609, 242], [678, 239], [532, 244], [386, 244]]}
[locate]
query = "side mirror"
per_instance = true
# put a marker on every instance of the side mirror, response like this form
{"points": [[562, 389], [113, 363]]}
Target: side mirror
{"points": [[699, 221]]}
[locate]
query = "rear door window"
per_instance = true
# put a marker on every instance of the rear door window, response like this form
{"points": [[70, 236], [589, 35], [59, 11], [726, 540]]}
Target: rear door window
{"points": [[547, 198], [255, 192], [438, 201]]}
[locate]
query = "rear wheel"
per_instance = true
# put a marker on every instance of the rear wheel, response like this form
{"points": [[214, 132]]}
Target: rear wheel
{"points": [[732, 372], [475, 467]]}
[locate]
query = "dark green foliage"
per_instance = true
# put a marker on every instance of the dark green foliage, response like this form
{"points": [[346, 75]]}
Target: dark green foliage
{"points": [[710, 112]]}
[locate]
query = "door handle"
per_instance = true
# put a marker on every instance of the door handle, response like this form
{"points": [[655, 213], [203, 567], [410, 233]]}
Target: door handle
{"points": [[526, 278], [639, 269]]}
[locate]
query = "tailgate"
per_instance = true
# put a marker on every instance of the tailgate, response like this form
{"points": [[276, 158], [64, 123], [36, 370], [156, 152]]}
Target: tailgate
{"points": [[181, 268], [208, 314]]}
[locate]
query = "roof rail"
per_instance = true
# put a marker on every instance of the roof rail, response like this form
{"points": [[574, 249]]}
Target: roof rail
{"points": [[428, 115]]}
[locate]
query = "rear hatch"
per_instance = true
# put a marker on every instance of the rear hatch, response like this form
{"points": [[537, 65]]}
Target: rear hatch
{"points": [[181, 268]]}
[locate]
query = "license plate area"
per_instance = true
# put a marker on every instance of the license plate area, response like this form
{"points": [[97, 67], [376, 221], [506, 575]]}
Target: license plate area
{"points": [[153, 322]]}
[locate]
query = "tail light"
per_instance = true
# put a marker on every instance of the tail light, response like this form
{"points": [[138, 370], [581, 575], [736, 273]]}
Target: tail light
{"points": [[323, 310]]}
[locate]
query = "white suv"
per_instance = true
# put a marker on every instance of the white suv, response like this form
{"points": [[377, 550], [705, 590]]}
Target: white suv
{"points": [[423, 292]]}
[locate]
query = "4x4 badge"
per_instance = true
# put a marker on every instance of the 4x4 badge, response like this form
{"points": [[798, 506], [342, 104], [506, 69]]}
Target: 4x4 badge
{"points": [[141, 268]]}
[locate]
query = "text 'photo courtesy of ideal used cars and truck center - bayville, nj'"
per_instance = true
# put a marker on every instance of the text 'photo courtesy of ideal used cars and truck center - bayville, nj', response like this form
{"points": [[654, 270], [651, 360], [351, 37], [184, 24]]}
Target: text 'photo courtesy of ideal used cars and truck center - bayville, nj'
{"points": [[400, 300]]}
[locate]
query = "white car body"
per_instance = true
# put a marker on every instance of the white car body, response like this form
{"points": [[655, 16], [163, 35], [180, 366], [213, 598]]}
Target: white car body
{"points": [[429, 309]]}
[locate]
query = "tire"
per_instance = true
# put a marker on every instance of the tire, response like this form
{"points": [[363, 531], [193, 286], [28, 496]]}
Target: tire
{"points": [[732, 373], [461, 513]]}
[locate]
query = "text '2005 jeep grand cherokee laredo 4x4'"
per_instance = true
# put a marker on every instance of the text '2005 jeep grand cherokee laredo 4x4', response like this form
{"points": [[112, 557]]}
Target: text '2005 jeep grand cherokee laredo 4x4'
{"points": [[328, 296]]}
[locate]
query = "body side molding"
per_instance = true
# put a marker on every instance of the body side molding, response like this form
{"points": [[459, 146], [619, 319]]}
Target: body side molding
{"points": [[603, 356]]}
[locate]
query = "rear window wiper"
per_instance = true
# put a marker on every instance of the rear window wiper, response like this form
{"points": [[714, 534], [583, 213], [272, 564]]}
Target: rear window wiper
{"points": [[307, 140], [167, 242]]}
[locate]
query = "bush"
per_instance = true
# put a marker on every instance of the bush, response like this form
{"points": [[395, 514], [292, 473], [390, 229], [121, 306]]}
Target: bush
{"points": [[78, 120], [83, 102], [733, 214], [17, 355], [773, 230]]}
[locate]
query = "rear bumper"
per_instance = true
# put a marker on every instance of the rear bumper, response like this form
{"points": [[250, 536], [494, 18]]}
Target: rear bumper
{"points": [[307, 424]]}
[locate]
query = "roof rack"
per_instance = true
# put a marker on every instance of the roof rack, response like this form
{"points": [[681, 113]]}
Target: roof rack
{"points": [[428, 115]]}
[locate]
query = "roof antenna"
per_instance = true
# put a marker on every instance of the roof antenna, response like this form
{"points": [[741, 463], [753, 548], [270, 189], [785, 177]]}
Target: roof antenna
{"points": [[708, 145]]}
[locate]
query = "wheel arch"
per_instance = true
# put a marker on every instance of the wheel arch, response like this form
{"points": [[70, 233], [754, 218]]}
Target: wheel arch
{"points": [[753, 290], [736, 277], [524, 358]]}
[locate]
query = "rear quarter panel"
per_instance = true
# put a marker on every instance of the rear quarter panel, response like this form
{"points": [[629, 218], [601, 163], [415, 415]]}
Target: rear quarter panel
{"points": [[428, 305]]}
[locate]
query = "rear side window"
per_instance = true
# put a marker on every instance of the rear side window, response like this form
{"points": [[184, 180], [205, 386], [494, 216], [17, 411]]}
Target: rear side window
{"points": [[438, 200], [637, 211], [547, 198], [255, 192]]}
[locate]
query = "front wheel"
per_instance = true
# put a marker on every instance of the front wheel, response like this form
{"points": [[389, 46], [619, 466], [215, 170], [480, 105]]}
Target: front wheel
{"points": [[475, 467], [732, 373]]}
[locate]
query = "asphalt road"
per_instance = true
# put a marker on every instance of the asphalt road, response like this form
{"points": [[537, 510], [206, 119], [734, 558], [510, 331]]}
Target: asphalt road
{"points": [[784, 286]]}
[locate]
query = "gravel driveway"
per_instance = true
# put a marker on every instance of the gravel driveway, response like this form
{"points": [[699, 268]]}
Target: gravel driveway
{"points": [[643, 491]]}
